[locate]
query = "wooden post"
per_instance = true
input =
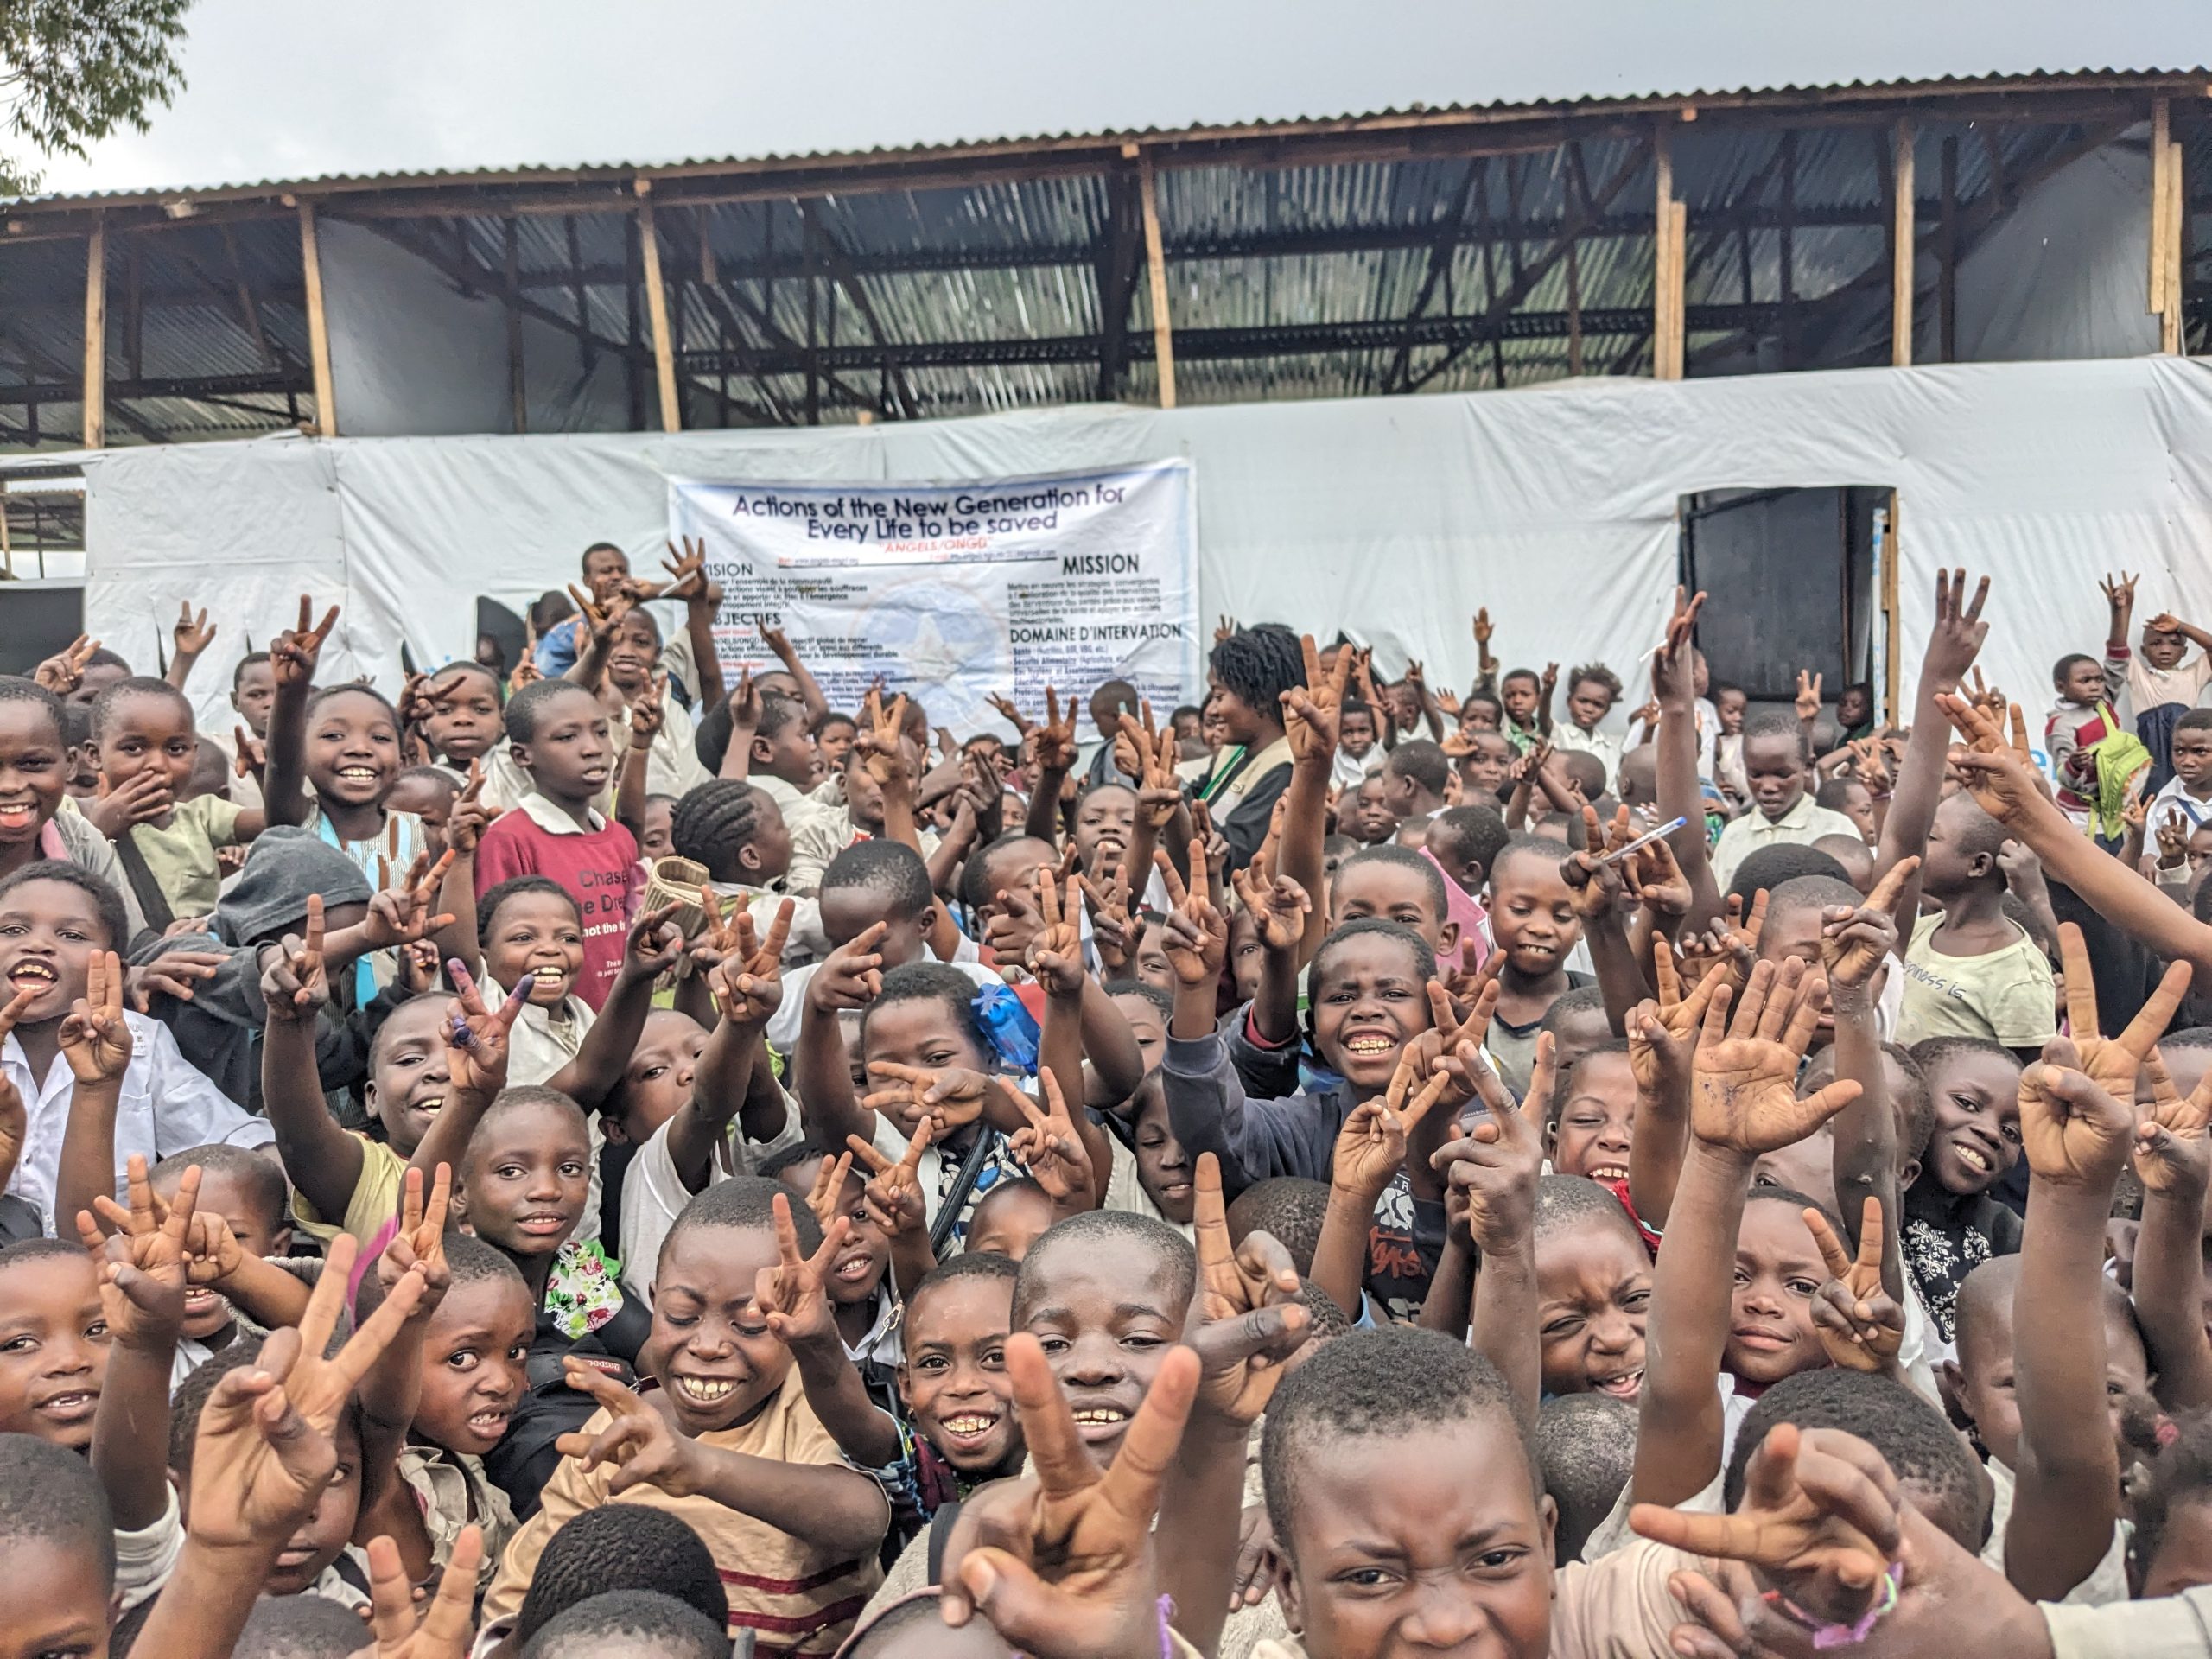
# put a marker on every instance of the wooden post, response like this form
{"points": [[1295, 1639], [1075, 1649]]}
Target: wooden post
{"points": [[1163, 339], [95, 393], [326, 401], [518, 383], [1893, 652], [1670, 231], [1901, 246], [1573, 309], [671, 411], [1947, 297], [2168, 208]]}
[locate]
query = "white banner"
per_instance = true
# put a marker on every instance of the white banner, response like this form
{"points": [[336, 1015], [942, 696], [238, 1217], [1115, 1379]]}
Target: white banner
{"points": [[955, 591]]}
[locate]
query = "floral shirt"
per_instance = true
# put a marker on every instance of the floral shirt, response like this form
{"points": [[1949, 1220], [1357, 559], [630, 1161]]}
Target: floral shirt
{"points": [[584, 1290]]}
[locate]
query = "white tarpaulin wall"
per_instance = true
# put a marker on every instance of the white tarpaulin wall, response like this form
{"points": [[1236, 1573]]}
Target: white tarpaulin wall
{"points": [[1554, 507]]}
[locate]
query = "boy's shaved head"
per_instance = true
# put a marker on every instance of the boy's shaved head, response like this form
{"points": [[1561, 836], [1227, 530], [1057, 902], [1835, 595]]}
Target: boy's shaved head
{"points": [[627, 1621], [747, 1203], [621, 1546], [1377, 1384], [49, 1493], [1179, 1261], [299, 1627], [1921, 1447], [1586, 1444], [1566, 1202], [1289, 1209]]}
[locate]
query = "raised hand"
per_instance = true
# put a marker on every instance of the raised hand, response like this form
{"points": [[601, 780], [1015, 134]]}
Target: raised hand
{"points": [[1278, 907], [447, 1628], [64, 671], [1492, 1173], [1054, 742], [400, 915], [2173, 840], [1114, 931], [826, 1197], [686, 568], [600, 619], [1248, 1317], [2172, 1153], [851, 977], [296, 982], [1371, 1146], [650, 712], [141, 1264], [894, 1195], [1653, 876], [1663, 1034], [1819, 1517], [1311, 712], [748, 985], [2073, 1132], [644, 1448], [192, 635], [1055, 955], [2118, 591], [1012, 714], [1196, 935], [877, 737], [1857, 1322], [467, 819], [1049, 1147], [1854, 942], [953, 1094], [1743, 1080], [420, 1243], [2112, 1062], [476, 1039], [1672, 676], [95, 1038], [793, 1296], [1063, 1566], [295, 654], [1998, 777], [1596, 883], [265, 1451], [1955, 638], [253, 753], [1808, 695]]}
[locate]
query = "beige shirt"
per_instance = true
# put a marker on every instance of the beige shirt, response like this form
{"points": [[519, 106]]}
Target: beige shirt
{"points": [[2005, 995], [1800, 826], [776, 1583]]}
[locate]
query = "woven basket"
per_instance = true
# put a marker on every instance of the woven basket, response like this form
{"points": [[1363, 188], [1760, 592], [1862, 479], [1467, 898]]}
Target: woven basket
{"points": [[676, 881]]}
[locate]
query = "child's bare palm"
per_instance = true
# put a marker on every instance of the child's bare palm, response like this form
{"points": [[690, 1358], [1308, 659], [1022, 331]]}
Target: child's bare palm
{"points": [[793, 1295], [636, 1439], [1279, 907], [1742, 1092], [143, 1269]]}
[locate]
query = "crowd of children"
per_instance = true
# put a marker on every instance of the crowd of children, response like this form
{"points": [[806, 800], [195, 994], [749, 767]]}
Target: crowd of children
{"points": [[603, 1159]]}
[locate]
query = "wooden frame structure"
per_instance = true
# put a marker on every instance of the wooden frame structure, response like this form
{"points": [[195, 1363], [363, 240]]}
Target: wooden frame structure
{"points": [[1386, 254]]}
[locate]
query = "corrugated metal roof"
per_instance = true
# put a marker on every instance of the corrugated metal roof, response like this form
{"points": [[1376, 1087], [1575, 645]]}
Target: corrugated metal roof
{"points": [[1290, 272], [1262, 127]]}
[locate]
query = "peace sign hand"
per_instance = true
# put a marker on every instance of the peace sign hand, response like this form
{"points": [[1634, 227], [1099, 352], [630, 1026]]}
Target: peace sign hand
{"points": [[748, 985], [142, 1266], [1743, 1084], [1808, 695], [477, 1041], [94, 1036], [1278, 907], [1371, 1145], [2073, 1131], [1857, 1322], [1061, 1561], [850, 976], [1311, 712], [2112, 1062], [1054, 740], [793, 1296], [64, 671], [826, 1197], [892, 1197], [1248, 1318], [1013, 715], [1049, 1147], [295, 654], [420, 1243], [953, 1095], [1055, 956], [878, 738], [1819, 1519], [400, 915], [644, 1448], [1196, 934], [2173, 1153]]}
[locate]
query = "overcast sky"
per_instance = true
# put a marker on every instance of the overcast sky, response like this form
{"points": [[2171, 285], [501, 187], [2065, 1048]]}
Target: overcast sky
{"points": [[282, 89]]}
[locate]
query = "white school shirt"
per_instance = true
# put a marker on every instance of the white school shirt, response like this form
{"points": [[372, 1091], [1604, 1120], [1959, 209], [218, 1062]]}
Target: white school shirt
{"points": [[2175, 796], [168, 1105], [1800, 826], [653, 1194]]}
